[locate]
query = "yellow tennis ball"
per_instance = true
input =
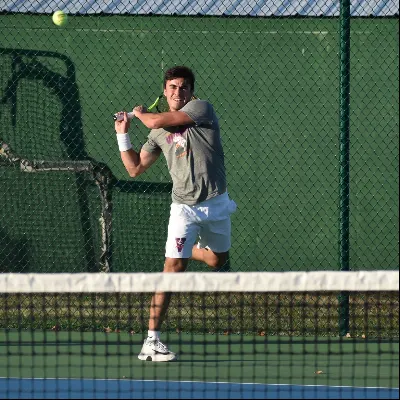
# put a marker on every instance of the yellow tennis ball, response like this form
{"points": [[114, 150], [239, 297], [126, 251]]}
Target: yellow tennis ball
{"points": [[60, 18]]}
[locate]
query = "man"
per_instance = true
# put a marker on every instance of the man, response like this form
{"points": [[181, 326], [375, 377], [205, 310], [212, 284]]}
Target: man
{"points": [[189, 137]]}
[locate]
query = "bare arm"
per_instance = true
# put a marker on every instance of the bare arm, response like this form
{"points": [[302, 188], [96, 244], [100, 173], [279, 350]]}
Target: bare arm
{"points": [[162, 120], [134, 162]]}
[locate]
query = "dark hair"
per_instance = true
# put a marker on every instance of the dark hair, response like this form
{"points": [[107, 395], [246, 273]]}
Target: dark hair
{"points": [[180, 72]]}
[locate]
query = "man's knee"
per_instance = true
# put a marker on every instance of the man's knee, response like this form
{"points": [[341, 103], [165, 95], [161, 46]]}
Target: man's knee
{"points": [[175, 264], [216, 260]]}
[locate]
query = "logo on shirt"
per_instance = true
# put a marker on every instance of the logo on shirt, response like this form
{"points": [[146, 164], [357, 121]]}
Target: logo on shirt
{"points": [[180, 242], [179, 140]]}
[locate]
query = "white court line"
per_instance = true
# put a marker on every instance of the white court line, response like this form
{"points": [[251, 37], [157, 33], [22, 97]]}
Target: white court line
{"points": [[205, 382], [138, 31]]}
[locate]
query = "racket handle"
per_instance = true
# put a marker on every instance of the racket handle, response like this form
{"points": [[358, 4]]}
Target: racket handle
{"points": [[121, 117]]}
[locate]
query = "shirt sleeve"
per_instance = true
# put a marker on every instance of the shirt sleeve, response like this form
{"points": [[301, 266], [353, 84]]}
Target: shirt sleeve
{"points": [[150, 146], [200, 111]]}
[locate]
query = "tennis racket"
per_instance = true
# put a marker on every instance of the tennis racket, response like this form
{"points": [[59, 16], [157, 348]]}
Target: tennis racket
{"points": [[160, 105]]}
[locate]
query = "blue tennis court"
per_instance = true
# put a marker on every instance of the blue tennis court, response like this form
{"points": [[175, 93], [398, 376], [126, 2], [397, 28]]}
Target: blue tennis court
{"points": [[148, 389]]}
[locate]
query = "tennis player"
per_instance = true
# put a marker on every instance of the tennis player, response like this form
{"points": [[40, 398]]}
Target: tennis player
{"points": [[189, 137]]}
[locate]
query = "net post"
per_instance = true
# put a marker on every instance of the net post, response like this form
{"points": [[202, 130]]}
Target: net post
{"points": [[344, 143]]}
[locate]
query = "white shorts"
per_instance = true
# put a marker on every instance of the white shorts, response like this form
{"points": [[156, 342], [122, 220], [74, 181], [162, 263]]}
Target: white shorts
{"points": [[208, 221]]}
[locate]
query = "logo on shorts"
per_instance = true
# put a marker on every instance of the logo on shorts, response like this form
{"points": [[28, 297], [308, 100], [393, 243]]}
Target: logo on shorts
{"points": [[180, 242]]}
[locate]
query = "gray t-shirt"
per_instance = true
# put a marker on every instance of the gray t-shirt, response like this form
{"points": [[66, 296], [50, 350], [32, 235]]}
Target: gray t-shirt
{"points": [[194, 154]]}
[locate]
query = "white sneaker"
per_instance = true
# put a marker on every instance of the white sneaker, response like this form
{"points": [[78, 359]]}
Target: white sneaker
{"points": [[154, 350]]}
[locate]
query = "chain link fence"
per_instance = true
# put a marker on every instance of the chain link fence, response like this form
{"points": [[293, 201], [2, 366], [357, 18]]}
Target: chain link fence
{"points": [[274, 73]]}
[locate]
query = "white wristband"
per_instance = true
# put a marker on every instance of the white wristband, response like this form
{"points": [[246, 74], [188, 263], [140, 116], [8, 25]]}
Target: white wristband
{"points": [[124, 141]]}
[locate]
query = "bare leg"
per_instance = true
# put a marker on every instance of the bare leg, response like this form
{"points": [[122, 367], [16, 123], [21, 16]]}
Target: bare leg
{"points": [[160, 300], [158, 308], [153, 349], [213, 260]]}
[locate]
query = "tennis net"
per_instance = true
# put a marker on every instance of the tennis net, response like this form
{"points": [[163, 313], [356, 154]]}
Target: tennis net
{"points": [[237, 335]]}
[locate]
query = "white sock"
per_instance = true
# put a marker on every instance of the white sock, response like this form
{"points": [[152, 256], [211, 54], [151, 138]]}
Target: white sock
{"points": [[154, 335]]}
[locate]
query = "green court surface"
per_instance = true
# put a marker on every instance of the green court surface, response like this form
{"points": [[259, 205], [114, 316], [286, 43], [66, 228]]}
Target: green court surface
{"points": [[327, 361]]}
